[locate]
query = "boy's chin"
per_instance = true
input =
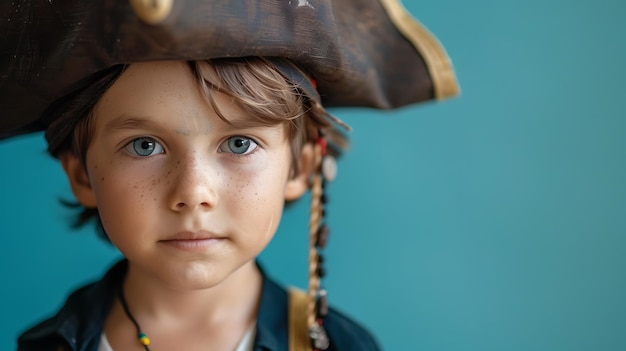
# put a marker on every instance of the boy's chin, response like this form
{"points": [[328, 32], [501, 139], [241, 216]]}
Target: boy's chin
{"points": [[202, 275]]}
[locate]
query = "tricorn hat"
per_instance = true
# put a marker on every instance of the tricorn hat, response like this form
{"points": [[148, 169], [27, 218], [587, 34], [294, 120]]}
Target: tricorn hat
{"points": [[368, 53]]}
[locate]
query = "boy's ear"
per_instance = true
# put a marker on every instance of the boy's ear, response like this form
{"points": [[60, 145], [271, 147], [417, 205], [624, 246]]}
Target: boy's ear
{"points": [[79, 181], [298, 184]]}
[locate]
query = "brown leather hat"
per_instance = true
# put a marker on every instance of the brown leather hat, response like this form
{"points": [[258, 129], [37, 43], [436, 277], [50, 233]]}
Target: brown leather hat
{"points": [[360, 52]]}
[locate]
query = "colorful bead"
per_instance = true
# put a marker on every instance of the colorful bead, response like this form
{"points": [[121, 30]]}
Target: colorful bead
{"points": [[322, 236], [322, 306], [329, 168], [321, 271], [319, 338], [322, 143], [143, 338]]}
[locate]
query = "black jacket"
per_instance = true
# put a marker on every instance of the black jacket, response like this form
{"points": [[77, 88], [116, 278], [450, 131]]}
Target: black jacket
{"points": [[79, 324]]}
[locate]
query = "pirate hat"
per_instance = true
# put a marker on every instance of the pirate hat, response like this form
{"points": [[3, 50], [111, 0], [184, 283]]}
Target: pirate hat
{"points": [[360, 52]]}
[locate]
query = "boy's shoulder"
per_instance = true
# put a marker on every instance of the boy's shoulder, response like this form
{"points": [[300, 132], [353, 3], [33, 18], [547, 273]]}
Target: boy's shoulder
{"points": [[80, 320], [79, 323], [344, 332], [347, 334]]}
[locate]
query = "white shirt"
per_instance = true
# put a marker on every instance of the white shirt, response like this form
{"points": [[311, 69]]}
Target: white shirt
{"points": [[245, 344]]}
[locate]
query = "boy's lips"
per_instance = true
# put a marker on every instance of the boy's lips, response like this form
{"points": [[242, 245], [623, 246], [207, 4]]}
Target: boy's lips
{"points": [[193, 240], [193, 235]]}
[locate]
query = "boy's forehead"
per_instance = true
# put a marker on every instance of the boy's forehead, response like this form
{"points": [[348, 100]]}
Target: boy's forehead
{"points": [[167, 95]]}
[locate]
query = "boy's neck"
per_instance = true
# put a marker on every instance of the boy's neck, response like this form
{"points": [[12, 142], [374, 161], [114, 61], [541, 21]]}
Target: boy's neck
{"points": [[234, 300]]}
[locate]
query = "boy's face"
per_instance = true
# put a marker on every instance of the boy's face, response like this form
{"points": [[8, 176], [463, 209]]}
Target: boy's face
{"points": [[186, 197]]}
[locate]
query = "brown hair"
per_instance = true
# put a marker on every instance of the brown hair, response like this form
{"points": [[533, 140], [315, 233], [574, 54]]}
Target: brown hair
{"points": [[255, 85]]}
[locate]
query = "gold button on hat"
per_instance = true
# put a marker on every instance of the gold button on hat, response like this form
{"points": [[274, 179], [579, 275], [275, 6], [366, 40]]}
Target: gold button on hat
{"points": [[152, 11]]}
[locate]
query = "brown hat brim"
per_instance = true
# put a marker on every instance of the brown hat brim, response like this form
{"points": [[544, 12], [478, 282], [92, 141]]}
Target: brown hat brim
{"points": [[369, 53]]}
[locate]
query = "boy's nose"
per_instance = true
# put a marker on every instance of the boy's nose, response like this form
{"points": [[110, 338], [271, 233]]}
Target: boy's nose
{"points": [[193, 186]]}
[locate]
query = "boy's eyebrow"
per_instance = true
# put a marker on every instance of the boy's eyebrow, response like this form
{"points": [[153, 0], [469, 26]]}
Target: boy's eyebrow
{"points": [[243, 123], [128, 122]]}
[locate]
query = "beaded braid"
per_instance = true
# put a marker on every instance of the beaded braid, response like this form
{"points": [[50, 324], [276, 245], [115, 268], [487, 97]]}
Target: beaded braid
{"points": [[314, 222], [318, 235]]}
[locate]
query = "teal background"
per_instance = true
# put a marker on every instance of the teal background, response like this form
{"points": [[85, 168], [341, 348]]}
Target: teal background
{"points": [[495, 221]]}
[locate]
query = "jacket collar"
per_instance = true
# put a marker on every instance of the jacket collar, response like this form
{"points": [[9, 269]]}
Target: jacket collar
{"points": [[272, 319], [80, 321]]}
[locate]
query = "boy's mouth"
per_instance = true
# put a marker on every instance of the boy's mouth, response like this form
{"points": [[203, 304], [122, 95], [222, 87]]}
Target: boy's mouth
{"points": [[193, 240], [194, 235]]}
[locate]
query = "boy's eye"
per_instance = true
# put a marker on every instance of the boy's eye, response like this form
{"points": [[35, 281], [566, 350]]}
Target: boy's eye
{"points": [[144, 147], [238, 145]]}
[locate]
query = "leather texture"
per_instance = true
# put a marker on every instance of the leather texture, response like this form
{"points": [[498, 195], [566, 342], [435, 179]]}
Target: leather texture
{"points": [[351, 48]]}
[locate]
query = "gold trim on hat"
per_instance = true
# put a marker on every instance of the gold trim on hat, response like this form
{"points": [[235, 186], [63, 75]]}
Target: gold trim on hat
{"points": [[437, 60]]}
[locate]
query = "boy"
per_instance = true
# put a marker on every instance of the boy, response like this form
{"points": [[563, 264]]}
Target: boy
{"points": [[187, 164]]}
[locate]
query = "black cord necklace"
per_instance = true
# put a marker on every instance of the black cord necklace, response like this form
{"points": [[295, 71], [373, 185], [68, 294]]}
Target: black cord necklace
{"points": [[143, 338]]}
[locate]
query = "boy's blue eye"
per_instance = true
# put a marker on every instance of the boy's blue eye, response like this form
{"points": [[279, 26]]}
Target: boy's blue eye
{"points": [[144, 147], [238, 145]]}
